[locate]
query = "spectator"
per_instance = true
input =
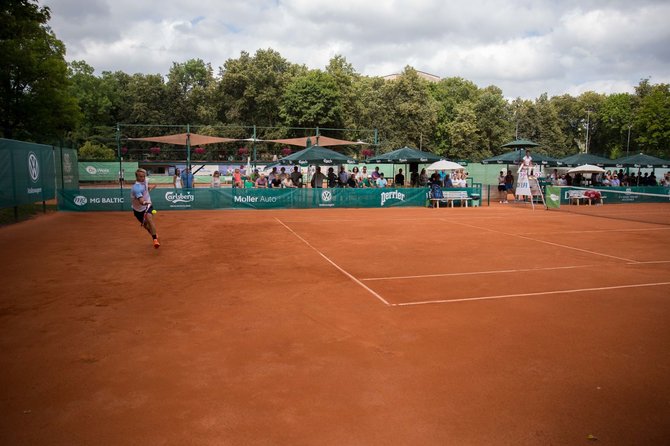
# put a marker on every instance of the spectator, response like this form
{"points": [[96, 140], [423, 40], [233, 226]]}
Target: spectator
{"points": [[176, 179], [331, 177], [614, 182], [262, 182], [509, 184], [216, 179], [447, 181], [414, 179], [296, 177], [423, 178], [399, 179], [352, 181], [237, 178], [318, 178], [187, 179], [375, 175], [381, 181], [364, 173], [273, 174], [282, 173], [502, 190], [287, 182], [342, 177], [276, 181]]}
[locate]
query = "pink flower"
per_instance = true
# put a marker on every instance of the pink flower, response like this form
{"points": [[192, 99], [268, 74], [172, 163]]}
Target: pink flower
{"points": [[199, 150], [155, 150], [286, 151]]}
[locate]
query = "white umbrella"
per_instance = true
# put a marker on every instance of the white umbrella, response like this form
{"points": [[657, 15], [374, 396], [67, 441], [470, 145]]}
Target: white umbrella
{"points": [[587, 168], [444, 165]]}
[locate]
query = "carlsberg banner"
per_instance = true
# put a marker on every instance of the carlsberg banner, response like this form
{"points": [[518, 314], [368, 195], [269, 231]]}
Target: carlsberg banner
{"points": [[236, 198]]}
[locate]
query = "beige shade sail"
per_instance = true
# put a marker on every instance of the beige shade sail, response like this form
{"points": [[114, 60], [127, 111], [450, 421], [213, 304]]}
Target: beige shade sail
{"points": [[183, 139]]}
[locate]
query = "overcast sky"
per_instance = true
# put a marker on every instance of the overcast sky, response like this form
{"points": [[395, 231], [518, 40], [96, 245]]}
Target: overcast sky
{"points": [[525, 47]]}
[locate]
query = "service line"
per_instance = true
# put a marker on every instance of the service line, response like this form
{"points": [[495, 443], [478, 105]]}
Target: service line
{"points": [[335, 264], [544, 293]]}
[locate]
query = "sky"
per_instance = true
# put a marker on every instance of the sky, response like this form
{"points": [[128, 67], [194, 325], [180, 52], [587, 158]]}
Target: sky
{"points": [[524, 47]]}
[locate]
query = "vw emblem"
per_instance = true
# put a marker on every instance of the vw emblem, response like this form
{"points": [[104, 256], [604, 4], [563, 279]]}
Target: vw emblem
{"points": [[326, 195], [33, 166]]}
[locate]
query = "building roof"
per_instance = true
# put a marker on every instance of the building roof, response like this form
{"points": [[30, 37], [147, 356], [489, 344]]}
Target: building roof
{"points": [[421, 74]]}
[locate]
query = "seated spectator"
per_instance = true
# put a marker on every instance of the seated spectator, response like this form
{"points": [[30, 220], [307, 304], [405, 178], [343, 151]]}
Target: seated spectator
{"points": [[262, 181], [282, 173], [237, 179], [375, 175], [352, 181], [614, 182], [447, 181], [381, 181], [276, 181], [216, 179], [287, 182]]}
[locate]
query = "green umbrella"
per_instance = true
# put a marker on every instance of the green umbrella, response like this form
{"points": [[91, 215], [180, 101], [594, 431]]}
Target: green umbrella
{"points": [[404, 156], [316, 155], [516, 156], [584, 158], [640, 160], [520, 144]]}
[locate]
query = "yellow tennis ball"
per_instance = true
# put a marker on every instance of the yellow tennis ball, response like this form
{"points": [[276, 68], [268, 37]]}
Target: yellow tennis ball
{"points": [[153, 211]]}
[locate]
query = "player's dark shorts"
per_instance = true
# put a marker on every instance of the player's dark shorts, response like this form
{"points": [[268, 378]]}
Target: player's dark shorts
{"points": [[508, 187], [501, 187], [139, 215]]}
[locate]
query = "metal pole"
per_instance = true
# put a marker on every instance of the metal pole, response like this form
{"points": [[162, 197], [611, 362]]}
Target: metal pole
{"points": [[586, 143], [253, 146], [188, 147], [628, 143], [118, 154]]}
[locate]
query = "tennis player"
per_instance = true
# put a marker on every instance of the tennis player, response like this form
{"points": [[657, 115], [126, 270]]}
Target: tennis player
{"points": [[141, 204]]}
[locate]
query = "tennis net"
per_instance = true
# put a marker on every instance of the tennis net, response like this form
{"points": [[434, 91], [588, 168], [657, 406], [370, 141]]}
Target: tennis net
{"points": [[641, 204]]}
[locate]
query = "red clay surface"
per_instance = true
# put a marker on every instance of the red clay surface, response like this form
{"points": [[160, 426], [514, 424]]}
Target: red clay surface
{"points": [[479, 326]]}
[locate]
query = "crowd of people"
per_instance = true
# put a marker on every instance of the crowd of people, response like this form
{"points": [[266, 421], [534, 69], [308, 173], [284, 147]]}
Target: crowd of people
{"points": [[610, 178], [354, 178]]}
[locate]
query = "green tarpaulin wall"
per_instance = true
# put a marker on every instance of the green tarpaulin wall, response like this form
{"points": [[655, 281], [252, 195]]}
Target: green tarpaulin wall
{"points": [[234, 198], [27, 173]]}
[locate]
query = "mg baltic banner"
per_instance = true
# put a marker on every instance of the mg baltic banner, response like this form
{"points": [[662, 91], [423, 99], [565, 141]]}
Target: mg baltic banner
{"points": [[202, 199]]}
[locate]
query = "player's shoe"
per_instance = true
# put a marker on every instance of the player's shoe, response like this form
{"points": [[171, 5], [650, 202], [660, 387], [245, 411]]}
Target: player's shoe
{"points": [[156, 243]]}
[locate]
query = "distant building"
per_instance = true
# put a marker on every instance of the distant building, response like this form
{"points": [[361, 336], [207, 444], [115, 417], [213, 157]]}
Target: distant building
{"points": [[423, 75]]}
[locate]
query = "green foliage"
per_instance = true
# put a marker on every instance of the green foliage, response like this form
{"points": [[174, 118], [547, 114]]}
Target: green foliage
{"points": [[35, 100], [312, 100], [93, 151], [42, 99]]}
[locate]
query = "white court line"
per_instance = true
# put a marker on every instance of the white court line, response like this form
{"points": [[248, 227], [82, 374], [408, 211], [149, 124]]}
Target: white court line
{"points": [[650, 262], [335, 265], [545, 293], [499, 271], [543, 241], [600, 230]]}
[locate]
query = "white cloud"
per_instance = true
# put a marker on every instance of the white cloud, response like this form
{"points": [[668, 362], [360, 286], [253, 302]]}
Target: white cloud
{"points": [[525, 47]]}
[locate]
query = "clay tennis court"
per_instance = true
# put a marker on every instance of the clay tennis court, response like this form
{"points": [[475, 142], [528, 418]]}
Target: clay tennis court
{"points": [[479, 326]]}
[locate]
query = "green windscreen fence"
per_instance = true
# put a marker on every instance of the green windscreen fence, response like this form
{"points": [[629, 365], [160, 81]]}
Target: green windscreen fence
{"points": [[27, 173], [239, 198]]}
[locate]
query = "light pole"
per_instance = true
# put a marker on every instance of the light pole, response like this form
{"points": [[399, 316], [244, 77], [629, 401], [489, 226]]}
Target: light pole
{"points": [[628, 143], [586, 143]]}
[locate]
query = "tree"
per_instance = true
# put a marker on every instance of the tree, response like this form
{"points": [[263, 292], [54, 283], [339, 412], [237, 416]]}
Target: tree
{"points": [[312, 100], [93, 151], [410, 112], [35, 101], [653, 121], [251, 88], [190, 87]]}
